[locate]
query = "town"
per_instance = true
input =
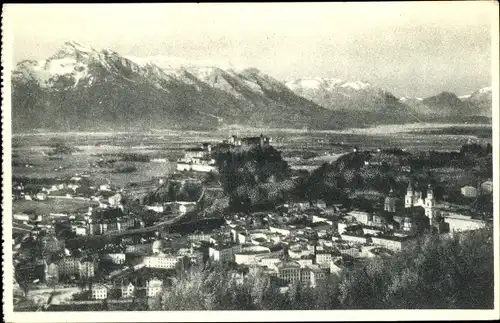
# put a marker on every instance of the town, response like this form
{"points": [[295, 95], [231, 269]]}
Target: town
{"points": [[127, 245]]}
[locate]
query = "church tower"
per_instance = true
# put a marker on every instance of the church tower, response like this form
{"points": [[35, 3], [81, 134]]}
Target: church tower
{"points": [[409, 198], [390, 202], [430, 203]]}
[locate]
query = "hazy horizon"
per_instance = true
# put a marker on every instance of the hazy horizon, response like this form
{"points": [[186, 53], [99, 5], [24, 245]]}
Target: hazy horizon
{"points": [[410, 49]]}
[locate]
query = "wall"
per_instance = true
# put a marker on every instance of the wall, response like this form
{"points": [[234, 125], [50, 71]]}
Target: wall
{"points": [[196, 168]]}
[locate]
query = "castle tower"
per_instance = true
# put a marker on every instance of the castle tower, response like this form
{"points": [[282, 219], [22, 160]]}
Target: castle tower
{"points": [[409, 198], [430, 203], [390, 202]]}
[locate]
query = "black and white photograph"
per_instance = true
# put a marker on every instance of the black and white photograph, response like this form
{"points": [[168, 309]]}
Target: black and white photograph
{"points": [[250, 161]]}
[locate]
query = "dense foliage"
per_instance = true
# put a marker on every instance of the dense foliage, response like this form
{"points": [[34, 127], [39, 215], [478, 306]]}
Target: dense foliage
{"points": [[253, 178], [436, 272]]}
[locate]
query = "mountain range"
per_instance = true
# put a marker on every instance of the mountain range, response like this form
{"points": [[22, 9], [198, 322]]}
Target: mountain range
{"points": [[80, 88]]}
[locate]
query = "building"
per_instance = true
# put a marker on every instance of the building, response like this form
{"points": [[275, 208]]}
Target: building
{"points": [[289, 271], [223, 252], [458, 222], [158, 208], [70, 266], [99, 291], [323, 259], [128, 290], [154, 287], [254, 142], [79, 230], [414, 198], [393, 243], [198, 237], [41, 196], [320, 204], [414, 220], [336, 266], [360, 216], [161, 261], [86, 269], [197, 159], [390, 202], [316, 219], [115, 258], [141, 248], [487, 186], [248, 257], [115, 200], [305, 262], [52, 272], [316, 275], [469, 191], [353, 237]]}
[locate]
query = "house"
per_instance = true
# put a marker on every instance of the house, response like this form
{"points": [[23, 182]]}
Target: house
{"points": [[153, 287], [41, 196], [52, 272], [116, 258], [487, 186], [99, 291], [128, 290], [115, 200], [469, 191]]}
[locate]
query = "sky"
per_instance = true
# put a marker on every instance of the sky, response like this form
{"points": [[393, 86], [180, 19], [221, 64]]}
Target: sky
{"points": [[408, 48]]}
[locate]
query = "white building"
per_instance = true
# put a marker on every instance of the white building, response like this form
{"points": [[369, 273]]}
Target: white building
{"points": [[459, 222], [360, 216], [128, 290], [469, 191], [116, 258], [154, 287], [223, 252], [323, 259], [99, 291], [156, 208], [115, 200], [487, 186], [161, 261]]}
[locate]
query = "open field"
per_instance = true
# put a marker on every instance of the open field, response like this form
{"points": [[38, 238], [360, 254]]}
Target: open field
{"points": [[50, 206], [31, 151]]}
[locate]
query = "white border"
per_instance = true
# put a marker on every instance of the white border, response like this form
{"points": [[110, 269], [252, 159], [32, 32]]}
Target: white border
{"points": [[223, 316]]}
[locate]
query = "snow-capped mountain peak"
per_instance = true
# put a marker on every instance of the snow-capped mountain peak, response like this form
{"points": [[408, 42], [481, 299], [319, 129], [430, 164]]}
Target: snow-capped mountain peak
{"points": [[357, 85]]}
